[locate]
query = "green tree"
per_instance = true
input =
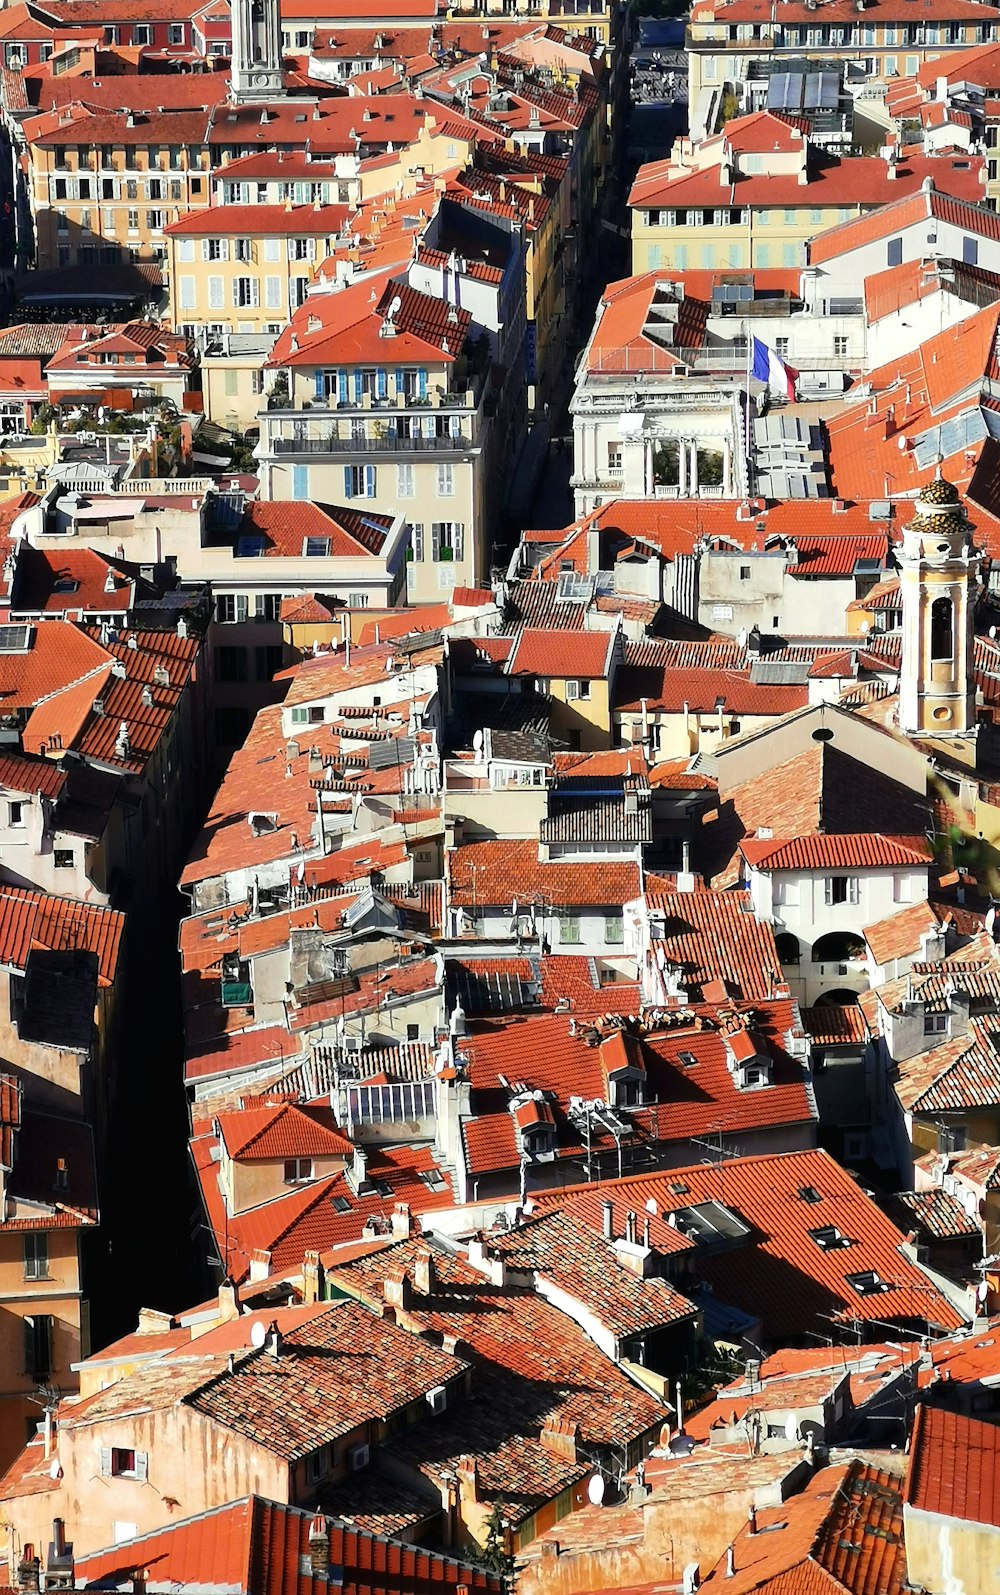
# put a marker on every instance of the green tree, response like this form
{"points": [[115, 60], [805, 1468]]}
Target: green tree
{"points": [[495, 1556]]}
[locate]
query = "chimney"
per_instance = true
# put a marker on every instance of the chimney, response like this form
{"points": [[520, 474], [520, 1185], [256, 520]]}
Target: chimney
{"points": [[273, 1341], [28, 1568], [229, 1303], [319, 1547], [396, 1288], [560, 1438], [608, 1219], [730, 1562], [260, 1265], [467, 1472], [312, 1277], [751, 1519], [401, 1221], [423, 1273], [58, 1537], [630, 1227]]}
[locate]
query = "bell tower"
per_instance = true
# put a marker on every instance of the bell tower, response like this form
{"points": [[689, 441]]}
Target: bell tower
{"points": [[255, 73], [938, 584]]}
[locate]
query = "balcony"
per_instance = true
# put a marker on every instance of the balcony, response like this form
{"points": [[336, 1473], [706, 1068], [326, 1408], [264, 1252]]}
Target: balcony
{"points": [[392, 444]]}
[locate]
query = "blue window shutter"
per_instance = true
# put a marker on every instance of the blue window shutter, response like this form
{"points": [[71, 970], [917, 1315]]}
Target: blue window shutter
{"points": [[381, 383], [357, 387], [342, 386], [300, 482], [321, 385], [369, 481], [422, 384], [347, 482]]}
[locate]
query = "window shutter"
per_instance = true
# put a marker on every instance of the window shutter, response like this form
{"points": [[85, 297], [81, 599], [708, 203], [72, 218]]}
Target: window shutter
{"points": [[254, 291], [369, 481], [828, 891], [853, 889], [204, 249], [348, 490], [421, 384], [320, 385], [358, 387], [216, 297], [272, 291], [342, 386], [381, 383], [272, 249], [311, 249], [224, 249], [188, 293], [458, 539], [105, 1462], [572, 690], [141, 1466], [435, 539], [241, 606], [29, 1347]]}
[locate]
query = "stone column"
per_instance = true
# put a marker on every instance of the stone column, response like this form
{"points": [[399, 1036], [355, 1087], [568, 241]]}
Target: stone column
{"points": [[682, 467], [727, 467], [693, 491]]}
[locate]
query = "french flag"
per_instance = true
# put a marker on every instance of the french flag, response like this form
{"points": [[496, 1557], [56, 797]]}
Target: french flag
{"points": [[770, 368]]}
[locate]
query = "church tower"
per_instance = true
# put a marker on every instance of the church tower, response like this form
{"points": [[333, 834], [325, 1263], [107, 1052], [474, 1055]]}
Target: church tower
{"points": [[256, 62], [938, 584]]}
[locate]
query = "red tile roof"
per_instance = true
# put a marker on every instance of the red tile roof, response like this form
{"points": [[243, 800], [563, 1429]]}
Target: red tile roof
{"points": [[282, 1132], [850, 180], [585, 654], [491, 873], [31, 919], [844, 1533], [954, 1469], [257, 1547], [781, 1274], [716, 936], [864, 851]]}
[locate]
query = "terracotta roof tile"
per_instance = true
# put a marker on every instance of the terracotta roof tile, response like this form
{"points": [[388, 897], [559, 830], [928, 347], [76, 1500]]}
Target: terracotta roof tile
{"points": [[954, 1467]]}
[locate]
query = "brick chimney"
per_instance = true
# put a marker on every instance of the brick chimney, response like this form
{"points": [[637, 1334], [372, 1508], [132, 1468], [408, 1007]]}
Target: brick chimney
{"points": [[424, 1279], [560, 1438], [396, 1287], [319, 1547], [260, 1265], [401, 1221]]}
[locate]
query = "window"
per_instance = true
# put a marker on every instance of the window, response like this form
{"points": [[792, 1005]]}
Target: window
{"points": [[297, 1169], [894, 252], [416, 548], [63, 858], [901, 889], [267, 606], [970, 251], [231, 664], [311, 714], [231, 607], [318, 1465], [569, 929], [404, 481], [216, 293], [577, 689], [942, 629], [15, 815], [38, 1347], [413, 1032], [243, 249], [175, 33], [188, 293], [841, 889], [272, 293], [744, 573], [614, 457], [447, 541], [300, 482], [120, 1462], [142, 34], [230, 382], [614, 929], [36, 1255], [359, 481], [246, 292], [935, 1024], [445, 481], [840, 347]]}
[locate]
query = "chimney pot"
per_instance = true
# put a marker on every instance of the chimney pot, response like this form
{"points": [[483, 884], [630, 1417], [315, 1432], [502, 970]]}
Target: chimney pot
{"points": [[608, 1215]]}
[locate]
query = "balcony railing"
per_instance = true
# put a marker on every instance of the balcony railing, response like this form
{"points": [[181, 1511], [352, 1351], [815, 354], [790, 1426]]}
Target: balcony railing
{"points": [[394, 444]]}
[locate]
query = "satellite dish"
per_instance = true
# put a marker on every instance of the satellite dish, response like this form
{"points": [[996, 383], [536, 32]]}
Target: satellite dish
{"points": [[396, 306], [792, 1427], [652, 1206], [55, 1469], [982, 1291], [477, 742], [595, 1490], [258, 1334]]}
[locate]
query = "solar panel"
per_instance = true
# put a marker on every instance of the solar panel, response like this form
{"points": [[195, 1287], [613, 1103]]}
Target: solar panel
{"points": [[14, 639], [249, 547]]}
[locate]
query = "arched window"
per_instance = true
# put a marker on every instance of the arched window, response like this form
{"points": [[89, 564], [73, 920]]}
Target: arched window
{"points": [[942, 629]]}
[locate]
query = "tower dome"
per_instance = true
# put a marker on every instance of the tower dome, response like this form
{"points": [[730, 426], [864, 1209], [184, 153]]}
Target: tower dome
{"points": [[939, 492]]}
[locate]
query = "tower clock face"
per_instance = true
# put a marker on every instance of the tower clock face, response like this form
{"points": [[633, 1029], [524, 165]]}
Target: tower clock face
{"points": [[260, 80]]}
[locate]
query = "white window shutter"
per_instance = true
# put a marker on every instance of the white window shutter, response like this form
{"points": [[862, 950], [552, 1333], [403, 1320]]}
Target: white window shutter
{"points": [[828, 891], [188, 294], [105, 1462], [224, 249], [216, 298], [272, 249], [141, 1466], [272, 292], [204, 249], [255, 291]]}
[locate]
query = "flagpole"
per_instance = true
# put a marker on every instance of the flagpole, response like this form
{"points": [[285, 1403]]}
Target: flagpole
{"points": [[746, 407]]}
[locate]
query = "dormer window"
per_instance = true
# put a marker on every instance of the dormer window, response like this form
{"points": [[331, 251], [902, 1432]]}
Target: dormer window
{"points": [[935, 1024]]}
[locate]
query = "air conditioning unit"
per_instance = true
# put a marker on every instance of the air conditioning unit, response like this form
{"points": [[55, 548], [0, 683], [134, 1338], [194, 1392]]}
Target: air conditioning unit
{"points": [[358, 1457], [437, 1399]]}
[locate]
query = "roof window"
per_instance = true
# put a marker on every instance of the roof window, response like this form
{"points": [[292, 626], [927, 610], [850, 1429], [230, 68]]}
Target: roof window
{"points": [[868, 1283], [809, 1193], [829, 1238]]}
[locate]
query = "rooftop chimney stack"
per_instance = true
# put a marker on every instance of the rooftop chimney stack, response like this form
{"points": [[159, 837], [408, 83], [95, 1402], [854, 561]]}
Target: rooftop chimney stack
{"points": [[608, 1219], [319, 1547]]}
